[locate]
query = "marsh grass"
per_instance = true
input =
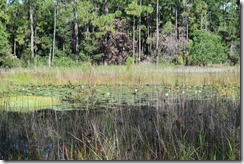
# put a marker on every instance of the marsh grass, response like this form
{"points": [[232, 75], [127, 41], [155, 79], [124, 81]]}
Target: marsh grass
{"points": [[136, 75], [114, 113]]}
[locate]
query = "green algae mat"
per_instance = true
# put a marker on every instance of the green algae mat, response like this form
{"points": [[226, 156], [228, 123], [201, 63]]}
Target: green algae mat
{"points": [[27, 103]]}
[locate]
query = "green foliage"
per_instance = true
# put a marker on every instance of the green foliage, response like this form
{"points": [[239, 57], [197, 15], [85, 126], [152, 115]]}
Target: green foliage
{"points": [[89, 45], [207, 48], [4, 46], [104, 24], [9, 61], [164, 62], [235, 59], [180, 60], [129, 62], [96, 21], [84, 12], [64, 61], [84, 57], [168, 27], [134, 9], [86, 66]]}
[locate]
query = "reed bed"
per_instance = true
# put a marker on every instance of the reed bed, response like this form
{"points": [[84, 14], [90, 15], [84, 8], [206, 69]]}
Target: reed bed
{"points": [[139, 75]]}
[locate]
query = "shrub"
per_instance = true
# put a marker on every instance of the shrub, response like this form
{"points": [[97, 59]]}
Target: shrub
{"points": [[206, 49], [165, 62], [64, 61], [180, 60], [129, 62], [9, 61], [84, 57]]}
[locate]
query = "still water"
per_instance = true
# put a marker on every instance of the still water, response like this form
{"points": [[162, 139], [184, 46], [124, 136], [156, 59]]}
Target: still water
{"points": [[121, 123]]}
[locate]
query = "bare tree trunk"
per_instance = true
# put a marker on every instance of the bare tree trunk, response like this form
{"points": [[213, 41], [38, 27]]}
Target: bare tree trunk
{"points": [[176, 23], [206, 22], [49, 57], [54, 31], [32, 32], [157, 31], [106, 7], [14, 48], [148, 35], [139, 47], [176, 29], [75, 3], [133, 39]]}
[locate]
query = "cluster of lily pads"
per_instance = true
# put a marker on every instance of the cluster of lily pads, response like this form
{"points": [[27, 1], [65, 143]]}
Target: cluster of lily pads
{"points": [[64, 97]]}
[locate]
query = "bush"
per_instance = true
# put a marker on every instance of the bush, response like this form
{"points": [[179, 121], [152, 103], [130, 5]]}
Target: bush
{"points": [[164, 62], [84, 57], [129, 62], [235, 59], [180, 60], [9, 61], [64, 62], [206, 49]]}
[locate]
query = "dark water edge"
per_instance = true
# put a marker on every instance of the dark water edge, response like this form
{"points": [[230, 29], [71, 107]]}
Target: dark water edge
{"points": [[123, 132]]}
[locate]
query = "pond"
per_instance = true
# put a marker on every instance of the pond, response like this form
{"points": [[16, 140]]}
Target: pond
{"points": [[120, 122]]}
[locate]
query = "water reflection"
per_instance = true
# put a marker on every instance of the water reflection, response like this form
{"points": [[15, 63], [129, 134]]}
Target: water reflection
{"points": [[153, 130]]}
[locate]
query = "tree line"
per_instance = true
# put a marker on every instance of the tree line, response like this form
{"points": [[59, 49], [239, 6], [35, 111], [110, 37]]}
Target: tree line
{"points": [[67, 32]]}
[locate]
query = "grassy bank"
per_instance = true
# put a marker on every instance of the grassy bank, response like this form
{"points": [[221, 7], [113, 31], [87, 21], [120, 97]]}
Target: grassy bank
{"points": [[137, 75]]}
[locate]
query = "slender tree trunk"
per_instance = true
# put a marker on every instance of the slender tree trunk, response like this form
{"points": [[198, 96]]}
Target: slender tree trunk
{"points": [[14, 47], [187, 32], [32, 32], [54, 31], [75, 3], [148, 35], [176, 29], [49, 57], [157, 31], [106, 7], [106, 34], [176, 23], [206, 23], [139, 47], [133, 39]]}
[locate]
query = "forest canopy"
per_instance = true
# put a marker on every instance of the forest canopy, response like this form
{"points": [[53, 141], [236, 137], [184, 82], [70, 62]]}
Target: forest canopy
{"points": [[69, 32]]}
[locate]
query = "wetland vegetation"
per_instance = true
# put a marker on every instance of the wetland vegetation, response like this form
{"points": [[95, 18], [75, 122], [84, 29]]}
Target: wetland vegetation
{"points": [[120, 80], [115, 113]]}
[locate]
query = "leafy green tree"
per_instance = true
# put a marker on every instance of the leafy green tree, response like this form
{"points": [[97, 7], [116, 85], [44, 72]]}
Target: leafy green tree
{"points": [[6, 58], [85, 30], [4, 44], [135, 11], [207, 48]]}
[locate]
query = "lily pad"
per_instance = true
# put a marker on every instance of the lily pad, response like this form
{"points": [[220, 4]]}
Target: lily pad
{"points": [[27, 103]]}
